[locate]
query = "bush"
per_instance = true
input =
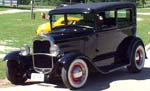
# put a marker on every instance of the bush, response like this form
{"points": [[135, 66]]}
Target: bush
{"points": [[25, 2]]}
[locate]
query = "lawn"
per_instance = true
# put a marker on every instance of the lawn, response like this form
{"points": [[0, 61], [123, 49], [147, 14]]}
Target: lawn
{"points": [[19, 28], [2, 9], [143, 28], [143, 10], [2, 69]]}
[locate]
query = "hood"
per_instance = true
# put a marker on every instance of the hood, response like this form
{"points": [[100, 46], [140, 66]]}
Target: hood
{"points": [[70, 32]]}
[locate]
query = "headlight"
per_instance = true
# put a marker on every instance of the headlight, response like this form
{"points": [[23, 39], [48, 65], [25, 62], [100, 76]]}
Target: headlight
{"points": [[25, 50], [54, 50]]}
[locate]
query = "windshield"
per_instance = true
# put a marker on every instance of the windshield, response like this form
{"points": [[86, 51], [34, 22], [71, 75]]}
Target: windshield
{"points": [[83, 20]]}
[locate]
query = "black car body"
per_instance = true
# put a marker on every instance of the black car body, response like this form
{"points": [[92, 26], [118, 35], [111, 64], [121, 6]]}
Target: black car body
{"points": [[104, 40]]}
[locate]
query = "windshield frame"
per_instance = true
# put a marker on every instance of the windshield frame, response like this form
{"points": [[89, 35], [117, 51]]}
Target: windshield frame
{"points": [[66, 19]]}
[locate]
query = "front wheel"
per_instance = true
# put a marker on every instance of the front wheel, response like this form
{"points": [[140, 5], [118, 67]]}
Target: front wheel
{"points": [[137, 58], [75, 74], [14, 72]]}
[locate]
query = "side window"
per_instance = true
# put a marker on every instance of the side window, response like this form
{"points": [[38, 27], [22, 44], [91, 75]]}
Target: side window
{"points": [[124, 17], [110, 14], [106, 19], [87, 20]]}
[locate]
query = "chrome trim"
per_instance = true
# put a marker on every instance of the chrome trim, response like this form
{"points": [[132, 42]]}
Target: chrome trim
{"points": [[51, 55], [43, 70], [48, 38], [44, 37]]}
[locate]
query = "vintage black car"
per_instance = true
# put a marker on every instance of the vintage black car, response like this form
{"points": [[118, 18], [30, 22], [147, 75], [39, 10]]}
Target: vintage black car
{"points": [[103, 40]]}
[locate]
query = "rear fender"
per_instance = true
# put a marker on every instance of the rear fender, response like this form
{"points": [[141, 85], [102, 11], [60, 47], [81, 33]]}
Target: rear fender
{"points": [[134, 41]]}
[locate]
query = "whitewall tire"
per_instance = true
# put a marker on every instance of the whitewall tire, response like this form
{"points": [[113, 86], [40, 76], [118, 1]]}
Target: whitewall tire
{"points": [[75, 74]]}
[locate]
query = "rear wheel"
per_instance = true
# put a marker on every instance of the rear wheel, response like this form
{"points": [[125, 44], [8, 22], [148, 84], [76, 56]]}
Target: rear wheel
{"points": [[14, 72], [75, 74], [137, 58]]}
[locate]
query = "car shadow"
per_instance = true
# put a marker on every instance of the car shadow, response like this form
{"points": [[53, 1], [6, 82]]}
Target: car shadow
{"points": [[98, 82]]}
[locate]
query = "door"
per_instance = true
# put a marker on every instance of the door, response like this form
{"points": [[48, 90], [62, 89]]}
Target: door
{"points": [[106, 38], [110, 35]]}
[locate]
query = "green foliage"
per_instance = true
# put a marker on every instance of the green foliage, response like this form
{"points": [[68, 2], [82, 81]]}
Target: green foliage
{"points": [[24, 2]]}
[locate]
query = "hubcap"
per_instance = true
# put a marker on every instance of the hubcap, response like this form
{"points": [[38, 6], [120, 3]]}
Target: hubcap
{"points": [[139, 57], [78, 73]]}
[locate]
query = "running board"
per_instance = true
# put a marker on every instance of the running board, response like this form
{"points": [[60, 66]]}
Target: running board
{"points": [[112, 68]]}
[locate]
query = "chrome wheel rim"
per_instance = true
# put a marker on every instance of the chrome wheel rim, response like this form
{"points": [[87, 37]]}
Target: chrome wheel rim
{"points": [[78, 73], [140, 57]]}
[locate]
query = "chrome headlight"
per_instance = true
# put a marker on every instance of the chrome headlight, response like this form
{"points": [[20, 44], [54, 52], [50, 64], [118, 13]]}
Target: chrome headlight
{"points": [[25, 50], [54, 50]]}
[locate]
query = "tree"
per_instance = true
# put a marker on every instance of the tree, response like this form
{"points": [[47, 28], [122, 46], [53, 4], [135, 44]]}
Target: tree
{"points": [[143, 2]]}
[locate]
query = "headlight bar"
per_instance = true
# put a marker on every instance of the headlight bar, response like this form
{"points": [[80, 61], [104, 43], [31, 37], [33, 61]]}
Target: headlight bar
{"points": [[25, 50]]}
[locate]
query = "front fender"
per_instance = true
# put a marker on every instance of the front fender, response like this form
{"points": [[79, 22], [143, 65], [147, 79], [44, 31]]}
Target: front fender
{"points": [[69, 57], [14, 55]]}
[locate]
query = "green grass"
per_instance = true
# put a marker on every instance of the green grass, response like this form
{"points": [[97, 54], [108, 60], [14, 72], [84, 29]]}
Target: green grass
{"points": [[19, 27], [2, 9], [2, 69], [143, 10], [144, 28]]}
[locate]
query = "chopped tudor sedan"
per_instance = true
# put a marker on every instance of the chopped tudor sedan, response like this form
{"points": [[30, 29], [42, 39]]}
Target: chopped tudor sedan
{"points": [[103, 40]]}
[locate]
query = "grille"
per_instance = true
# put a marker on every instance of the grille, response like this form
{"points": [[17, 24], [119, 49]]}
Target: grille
{"points": [[42, 61], [41, 46]]}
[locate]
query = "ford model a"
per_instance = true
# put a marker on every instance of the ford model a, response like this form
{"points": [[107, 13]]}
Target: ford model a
{"points": [[104, 39]]}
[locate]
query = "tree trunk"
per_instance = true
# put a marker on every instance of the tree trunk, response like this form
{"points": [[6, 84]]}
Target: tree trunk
{"points": [[32, 8], [3, 2], [41, 2], [10, 2], [143, 2]]}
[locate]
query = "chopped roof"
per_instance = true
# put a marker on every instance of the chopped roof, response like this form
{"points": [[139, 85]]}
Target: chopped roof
{"points": [[92, 7]]}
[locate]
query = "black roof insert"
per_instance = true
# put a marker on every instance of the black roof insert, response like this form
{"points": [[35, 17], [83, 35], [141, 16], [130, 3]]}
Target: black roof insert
{"points": [[92, 7]]}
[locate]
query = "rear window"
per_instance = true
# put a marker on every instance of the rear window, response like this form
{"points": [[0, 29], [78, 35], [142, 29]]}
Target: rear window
{"points": [[124, 17]]}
